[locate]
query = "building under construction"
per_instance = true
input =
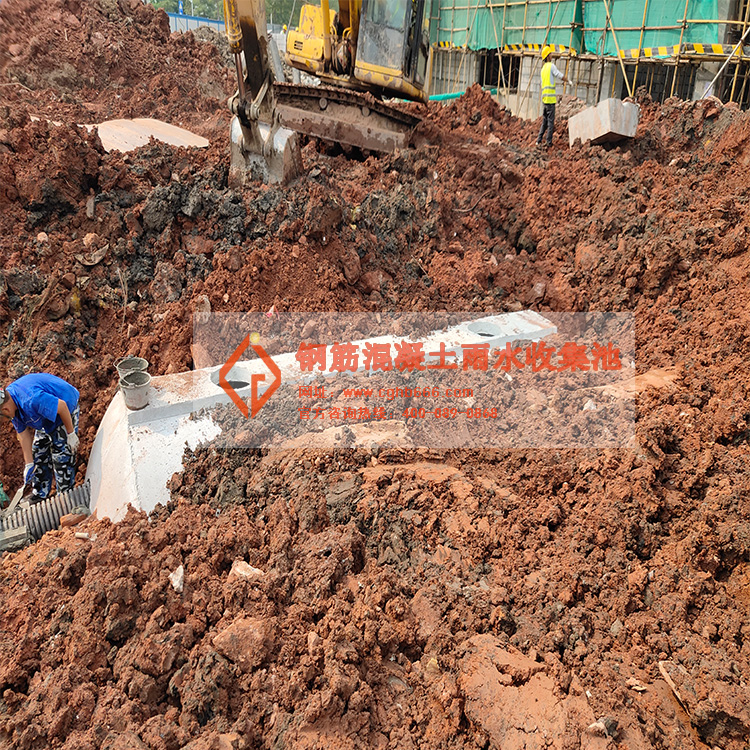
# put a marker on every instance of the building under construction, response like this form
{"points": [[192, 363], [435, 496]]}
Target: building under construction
{"points": [[607, 48]]}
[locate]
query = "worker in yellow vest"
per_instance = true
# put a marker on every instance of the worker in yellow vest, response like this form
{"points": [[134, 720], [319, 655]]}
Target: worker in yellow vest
{"points": [[550, 74]]}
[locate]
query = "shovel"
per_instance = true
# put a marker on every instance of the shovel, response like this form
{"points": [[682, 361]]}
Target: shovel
{"points": [[16, 499]]}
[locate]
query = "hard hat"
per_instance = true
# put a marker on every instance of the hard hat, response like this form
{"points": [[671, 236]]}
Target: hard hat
{"points": [[546, 51]]}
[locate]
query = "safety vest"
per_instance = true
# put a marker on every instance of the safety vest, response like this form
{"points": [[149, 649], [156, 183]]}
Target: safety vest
{"points": [[549, 89]]}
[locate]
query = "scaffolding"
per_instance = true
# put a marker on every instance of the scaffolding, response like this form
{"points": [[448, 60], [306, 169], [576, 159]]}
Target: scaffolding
{"points": [[652, 27], [670, 47], [511, 25]]}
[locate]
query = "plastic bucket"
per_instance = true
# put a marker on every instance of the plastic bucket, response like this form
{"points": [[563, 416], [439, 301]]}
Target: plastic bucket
{"points": [[135, 388], [131, 364]]}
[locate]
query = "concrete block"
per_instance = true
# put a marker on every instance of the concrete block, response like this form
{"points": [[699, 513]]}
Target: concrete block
{"points": [[135, 453], [610, 120]]}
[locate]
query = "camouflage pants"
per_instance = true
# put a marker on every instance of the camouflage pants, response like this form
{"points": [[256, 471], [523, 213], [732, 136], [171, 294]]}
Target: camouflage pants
{"points": [[53, 458]]}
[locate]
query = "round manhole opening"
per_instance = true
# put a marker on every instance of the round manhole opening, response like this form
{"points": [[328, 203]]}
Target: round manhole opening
{"points": [[237, 384], [484, 329], [238, 377]]}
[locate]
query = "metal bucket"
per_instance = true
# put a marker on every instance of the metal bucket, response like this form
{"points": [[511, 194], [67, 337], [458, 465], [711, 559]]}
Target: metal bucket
{"points": [[135, 387], [131, 364]]}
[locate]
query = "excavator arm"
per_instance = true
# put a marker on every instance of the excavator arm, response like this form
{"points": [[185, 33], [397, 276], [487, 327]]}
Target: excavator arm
{"points": [[260, 148]]}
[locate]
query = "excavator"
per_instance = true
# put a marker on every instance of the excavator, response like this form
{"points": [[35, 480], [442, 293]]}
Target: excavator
{"points": [[362, 53]]}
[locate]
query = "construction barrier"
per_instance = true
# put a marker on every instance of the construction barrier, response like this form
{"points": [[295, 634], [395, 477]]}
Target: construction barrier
{"points": [[178, 22]]}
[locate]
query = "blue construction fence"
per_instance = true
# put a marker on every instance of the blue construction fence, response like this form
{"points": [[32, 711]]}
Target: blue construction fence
{"points": [[180, 22]]}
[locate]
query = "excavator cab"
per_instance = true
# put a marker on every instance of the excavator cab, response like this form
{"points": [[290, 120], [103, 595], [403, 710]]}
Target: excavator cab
{"points": [[393, 50], [381, 46]]}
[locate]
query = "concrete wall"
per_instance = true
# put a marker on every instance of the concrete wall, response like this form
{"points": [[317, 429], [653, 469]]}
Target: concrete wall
{"points": [[703, 77], [528, 99], [453, 70]]}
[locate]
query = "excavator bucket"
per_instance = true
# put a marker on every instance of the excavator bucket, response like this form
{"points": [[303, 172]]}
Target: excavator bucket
{"points": [[260, 148], [257, 154]]}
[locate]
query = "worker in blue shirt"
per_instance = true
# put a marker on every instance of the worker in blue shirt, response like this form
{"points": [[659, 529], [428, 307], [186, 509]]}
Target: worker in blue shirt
{"points": [[44, 412]]}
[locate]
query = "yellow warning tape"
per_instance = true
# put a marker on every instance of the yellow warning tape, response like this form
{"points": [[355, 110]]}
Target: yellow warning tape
{"points": [[558, 48], [671, 50], [674, 49], [448, 45]]}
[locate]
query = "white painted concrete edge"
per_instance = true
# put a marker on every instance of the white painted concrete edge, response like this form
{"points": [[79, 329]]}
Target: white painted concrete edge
{"points": [[135, 453]]}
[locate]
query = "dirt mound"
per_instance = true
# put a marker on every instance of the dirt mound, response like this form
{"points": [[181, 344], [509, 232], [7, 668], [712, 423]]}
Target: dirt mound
{"points": [[301, 598], [93, 61]]}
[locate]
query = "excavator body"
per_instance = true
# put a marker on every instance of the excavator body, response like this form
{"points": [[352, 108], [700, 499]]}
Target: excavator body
{"points": [[365, 51], [377, 46]]}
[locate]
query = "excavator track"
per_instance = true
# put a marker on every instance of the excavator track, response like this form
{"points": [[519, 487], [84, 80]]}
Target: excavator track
{"points": [[343, 116]]}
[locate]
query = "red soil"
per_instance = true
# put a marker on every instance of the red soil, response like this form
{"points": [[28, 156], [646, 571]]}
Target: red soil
{"points": [[404, 600]]}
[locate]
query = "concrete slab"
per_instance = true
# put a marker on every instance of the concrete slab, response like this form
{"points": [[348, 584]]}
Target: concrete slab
{"points": [[126, 135], [135, 453], [610, 120]]}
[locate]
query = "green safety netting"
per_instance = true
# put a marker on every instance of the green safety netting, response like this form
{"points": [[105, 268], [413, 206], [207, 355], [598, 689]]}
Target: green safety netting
{"points": [[493, 23], [580, 24], [627, 19]]}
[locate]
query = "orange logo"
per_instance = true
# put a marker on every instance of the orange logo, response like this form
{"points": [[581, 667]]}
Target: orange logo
{"points": [[256, 402]]}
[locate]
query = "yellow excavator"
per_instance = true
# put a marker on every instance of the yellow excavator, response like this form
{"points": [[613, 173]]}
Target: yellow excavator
{"points": [[364, 52]]}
